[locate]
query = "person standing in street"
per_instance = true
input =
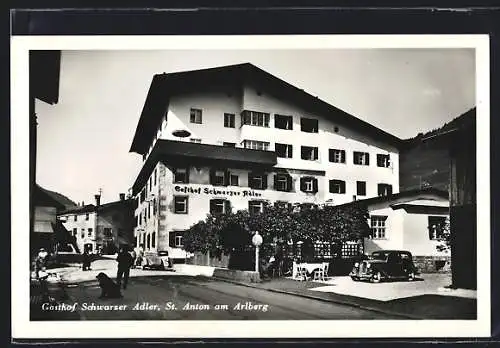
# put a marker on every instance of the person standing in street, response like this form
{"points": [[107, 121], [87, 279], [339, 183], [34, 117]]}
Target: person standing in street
{"points": [[86, 260], [125, 261]]}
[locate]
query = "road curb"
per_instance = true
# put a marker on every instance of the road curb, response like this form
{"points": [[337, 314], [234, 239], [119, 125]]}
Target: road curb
{"points": [[312, 297]]}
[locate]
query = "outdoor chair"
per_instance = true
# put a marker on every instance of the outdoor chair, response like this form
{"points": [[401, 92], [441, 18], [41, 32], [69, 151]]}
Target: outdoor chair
{"points": [[302, 273]]}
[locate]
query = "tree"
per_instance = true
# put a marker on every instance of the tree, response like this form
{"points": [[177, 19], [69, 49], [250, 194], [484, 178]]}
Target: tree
{"points": [[445, 242]]}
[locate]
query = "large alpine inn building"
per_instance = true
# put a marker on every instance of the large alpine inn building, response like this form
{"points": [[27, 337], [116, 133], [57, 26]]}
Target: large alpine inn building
{"points": [[237, 137]]}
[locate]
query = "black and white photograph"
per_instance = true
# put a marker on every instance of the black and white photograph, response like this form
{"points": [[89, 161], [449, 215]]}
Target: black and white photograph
{"points": [[285, 186]]}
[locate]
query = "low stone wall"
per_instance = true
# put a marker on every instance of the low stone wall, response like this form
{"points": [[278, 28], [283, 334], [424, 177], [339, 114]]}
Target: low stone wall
{"points": [[433, 264], [243, 276]]}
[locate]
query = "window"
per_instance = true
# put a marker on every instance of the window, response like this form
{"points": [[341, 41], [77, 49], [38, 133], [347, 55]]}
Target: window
{"points": [[234, 180], [86, 216], [283, 122], [149, 211], [181, 175], [282, 182], [283, 150], [337, 186], [436, 227], [180, 205], [383, 160], [83, 233], [309, 153], [309, 125], [361, 188], [225, 144], [255, 207], [384, 189], [175, 239], [155, 176], [107, 232], [154, 206], [195, 116], [89, 233], [219, 206], [254, 118], [148, 243], [229, 120], [76, 217], [361, 158], [377, 225], [219, 177], [309, 184], [257, 181], [336, 155], [153, 239], [75, 232], [255, 145], [195, 140]]}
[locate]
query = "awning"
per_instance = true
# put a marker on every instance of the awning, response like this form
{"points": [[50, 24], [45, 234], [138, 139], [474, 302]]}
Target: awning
{"points": [[43, 227]]}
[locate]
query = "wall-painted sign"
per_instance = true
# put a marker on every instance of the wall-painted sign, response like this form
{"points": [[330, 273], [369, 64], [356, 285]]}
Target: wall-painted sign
{"points": [[215, 191]]}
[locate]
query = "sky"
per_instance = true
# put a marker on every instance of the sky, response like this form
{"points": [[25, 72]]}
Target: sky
{"points": [[84, 139]]}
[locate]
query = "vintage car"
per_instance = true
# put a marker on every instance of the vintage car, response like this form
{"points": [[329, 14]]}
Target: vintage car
{"points": [[156, 260], [384, 265]]}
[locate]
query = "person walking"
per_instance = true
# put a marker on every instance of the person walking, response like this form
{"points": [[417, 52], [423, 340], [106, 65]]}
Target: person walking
{"points": [[125, 261]]}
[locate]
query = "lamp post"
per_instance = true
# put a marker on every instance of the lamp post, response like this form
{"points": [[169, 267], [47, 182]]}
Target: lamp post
{"points": [[257, 241]]}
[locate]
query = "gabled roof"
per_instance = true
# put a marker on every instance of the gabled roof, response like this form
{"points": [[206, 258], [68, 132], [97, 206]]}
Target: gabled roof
{"points": [[165, 85], [400, 197], [88, 208]]}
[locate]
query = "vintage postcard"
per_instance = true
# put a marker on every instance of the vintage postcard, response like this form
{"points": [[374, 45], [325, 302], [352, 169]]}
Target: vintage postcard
{"points": [[250, 186]]}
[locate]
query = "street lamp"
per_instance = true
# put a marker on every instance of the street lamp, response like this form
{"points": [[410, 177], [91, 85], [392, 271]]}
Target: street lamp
{"points": [[257, 241]]}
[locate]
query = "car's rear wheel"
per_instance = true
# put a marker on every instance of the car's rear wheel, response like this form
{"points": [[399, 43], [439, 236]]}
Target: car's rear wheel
{"points": [[376, 277], [411, 276]]}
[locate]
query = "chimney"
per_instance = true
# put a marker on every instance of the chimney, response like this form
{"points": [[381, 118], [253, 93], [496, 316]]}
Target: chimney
{"points": [[122, 196], [97, 200]]}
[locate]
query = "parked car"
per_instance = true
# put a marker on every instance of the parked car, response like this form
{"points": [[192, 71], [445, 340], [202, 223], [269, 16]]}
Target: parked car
{"points": [[67, 254], [156, 260], [384, 265]]}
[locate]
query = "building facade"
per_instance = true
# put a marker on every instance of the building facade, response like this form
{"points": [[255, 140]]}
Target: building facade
{"points": [[235, 138], [101, 226], [414, 220]]}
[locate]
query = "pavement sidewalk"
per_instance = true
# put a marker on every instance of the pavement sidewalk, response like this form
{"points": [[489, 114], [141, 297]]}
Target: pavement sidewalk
{"points": [[426, 306]]}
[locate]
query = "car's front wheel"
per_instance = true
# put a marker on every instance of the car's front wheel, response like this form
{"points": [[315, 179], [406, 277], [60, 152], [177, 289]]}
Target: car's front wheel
{"points": [[376, 277]]}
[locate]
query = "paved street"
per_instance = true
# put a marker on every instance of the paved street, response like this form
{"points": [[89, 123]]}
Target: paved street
{"points": [[170, 295]]}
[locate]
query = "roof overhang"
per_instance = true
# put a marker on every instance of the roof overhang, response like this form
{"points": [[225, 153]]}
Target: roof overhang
{"points": [[181, 154], [421, 209]]}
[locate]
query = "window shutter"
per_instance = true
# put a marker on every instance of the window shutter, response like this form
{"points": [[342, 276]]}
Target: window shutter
{"points": [[212, 176], [389, 189], [302, 184], [266, 120], [187, 175], [264, 181], [289, 183], [379, 189], [212, 206], [367, 159], [275, 181], [330, 184], [227, 206], [250, 181], [342, 187], [315, 185], [316, 153], [343, 156], [330, 155], [171, 239], [226, 177]]}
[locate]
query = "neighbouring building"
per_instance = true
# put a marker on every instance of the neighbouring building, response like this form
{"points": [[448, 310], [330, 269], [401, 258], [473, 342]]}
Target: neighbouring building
{"points": [[413, 220], [47, 230], [237, 137], [460, 140], [101, 226]]}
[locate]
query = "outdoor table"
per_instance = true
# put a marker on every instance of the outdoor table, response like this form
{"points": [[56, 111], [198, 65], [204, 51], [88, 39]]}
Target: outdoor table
{"points": [[310, 267]]}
